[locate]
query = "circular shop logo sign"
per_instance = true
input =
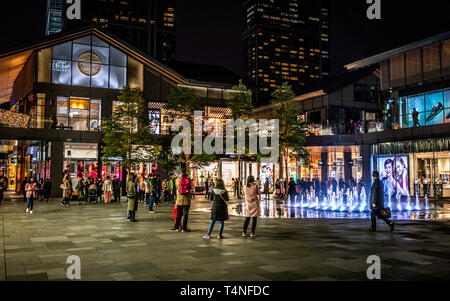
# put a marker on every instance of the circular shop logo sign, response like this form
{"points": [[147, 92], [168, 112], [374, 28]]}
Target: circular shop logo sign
{"points": [[89, 64]]}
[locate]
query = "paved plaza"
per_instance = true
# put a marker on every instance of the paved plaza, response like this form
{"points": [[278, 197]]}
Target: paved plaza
{"points": [[36, 247]]}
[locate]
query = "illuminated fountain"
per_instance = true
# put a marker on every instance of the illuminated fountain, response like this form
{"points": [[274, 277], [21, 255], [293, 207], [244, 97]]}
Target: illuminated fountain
{"points": [[427, 206], [399, 202], [408, 204], [363, 199], [417, 207]]}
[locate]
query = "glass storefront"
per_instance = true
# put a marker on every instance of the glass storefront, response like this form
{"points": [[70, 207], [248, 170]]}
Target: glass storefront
{"points": [[433, 108], [80, 160], [80, 114], [415, 167]]}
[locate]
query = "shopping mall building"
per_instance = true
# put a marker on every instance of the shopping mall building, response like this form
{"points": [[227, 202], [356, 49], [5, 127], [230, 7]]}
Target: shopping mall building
{"points": [[77, 76], [412, 157]]}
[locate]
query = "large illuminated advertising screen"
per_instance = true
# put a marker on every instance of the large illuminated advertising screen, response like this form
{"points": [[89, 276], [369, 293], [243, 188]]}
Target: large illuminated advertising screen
{"points": [[394, 173], [155, 122]]}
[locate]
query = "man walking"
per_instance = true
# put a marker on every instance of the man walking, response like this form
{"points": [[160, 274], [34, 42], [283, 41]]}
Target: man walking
{"points": [[377, 203]]}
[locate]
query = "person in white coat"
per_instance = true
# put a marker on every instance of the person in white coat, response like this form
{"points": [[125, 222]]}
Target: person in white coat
{"points": [[107, 189]]}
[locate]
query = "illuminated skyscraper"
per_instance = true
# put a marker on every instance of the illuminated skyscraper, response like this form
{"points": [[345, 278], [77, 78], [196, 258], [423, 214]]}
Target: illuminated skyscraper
{"points": [[147, 25], [285, 41], [55, 20]]}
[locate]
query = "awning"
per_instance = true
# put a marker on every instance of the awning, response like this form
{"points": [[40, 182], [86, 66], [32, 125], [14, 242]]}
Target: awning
{"points": [[10, 68]]}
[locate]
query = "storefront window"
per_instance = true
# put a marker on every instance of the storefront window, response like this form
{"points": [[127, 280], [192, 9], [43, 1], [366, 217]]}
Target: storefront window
{"points": [[426, 162], [80, 114], [433, 108], [89, 62], [38, 112]]}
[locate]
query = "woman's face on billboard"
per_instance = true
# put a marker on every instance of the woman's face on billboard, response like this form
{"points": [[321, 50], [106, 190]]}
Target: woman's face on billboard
{"points": [[388, 169], [399, 167]]}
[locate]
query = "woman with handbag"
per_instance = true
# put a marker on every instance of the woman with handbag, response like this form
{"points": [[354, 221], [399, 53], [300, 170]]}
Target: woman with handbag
{"points": [[252, 205], [219, 211], [31, 190], [67, 191]]}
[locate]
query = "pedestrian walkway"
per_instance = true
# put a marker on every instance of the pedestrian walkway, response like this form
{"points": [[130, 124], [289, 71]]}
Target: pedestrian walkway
{"points": [[36, 247]]}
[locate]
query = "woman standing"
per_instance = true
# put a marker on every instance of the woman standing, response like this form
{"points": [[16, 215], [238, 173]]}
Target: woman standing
{"points": [[31, 190], [99, 184], [132, 198], [252, 205], [107, 189], [219, 211], [67, 192], [80, 189]]}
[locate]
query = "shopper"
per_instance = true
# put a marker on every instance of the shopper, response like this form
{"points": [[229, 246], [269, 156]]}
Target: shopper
{"points": [[292, 191], [116, 189], [107, 189], [40, 185], [219, 211], [80, 189], [132, 198], [377, 203], [183, 203], [252, 206], [67, 191], [31, 191], [47, 190], [150, 190], [99, 185]]}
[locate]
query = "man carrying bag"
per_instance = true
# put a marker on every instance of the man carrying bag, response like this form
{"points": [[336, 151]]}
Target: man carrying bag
{"points": [[377, 204]]}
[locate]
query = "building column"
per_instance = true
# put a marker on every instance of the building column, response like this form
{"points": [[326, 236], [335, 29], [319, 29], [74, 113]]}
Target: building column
{"points": [[366, 154], [347, 167], [56, 168], [324, 159], [99, 160]]}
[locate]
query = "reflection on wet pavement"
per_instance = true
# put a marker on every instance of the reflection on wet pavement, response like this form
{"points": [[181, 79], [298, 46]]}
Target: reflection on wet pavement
{"points": [[284, 209]]}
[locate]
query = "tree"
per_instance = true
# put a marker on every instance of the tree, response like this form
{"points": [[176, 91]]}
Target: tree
{"points": [[241, 107], [292, 130], [126, 133], [182, 103]]}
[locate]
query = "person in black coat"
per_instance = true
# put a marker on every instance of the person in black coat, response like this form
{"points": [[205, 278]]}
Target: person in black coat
{"points": [[116, 188], [292, 191], [219, 211], [47, 189], [377, 203]]}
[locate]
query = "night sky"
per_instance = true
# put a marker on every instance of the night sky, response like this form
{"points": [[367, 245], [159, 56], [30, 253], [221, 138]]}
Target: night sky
{"points": [[209, 31]]}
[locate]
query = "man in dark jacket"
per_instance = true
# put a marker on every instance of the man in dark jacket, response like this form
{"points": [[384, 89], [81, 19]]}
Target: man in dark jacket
{"points": [[116, 188], [291, 190], [377, 203]]}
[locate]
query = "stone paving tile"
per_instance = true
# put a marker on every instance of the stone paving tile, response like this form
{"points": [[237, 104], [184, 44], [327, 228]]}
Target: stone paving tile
{"points": [[111, 249]]}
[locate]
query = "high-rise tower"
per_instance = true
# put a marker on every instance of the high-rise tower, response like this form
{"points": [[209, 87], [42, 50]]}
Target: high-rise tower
{"points": [[285, 41], [147, 25]]}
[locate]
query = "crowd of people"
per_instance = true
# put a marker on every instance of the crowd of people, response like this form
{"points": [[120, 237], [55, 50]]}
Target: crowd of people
{"points": [[180, 190]]}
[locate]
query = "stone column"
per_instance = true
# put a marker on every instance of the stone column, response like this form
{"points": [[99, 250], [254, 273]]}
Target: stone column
{"points": [[56, 168], [347, 167], [324, 159]]}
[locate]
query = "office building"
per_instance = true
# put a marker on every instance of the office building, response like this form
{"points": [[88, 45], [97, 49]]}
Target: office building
{"points": [[147, 25], [285, 41]]}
